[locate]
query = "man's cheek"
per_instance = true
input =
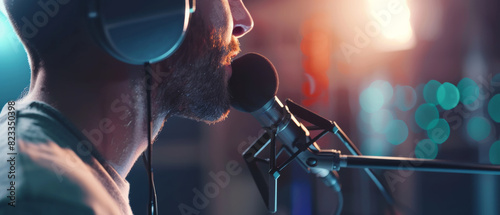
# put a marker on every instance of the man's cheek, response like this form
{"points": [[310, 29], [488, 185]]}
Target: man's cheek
{"points": [[220, 14]]}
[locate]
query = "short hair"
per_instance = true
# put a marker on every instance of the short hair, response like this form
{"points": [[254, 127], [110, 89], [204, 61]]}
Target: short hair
{"points": [[41, 25]]}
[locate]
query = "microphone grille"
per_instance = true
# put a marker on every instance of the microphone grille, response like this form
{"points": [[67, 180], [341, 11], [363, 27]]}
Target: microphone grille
{"points": [[253, 83]]}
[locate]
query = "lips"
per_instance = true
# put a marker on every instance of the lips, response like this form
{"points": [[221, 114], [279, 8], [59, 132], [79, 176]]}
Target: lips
{"points": [[227, 65]]}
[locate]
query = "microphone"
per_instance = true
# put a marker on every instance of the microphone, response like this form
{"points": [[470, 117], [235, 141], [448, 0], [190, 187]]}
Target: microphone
{"points": [[253, 86]]}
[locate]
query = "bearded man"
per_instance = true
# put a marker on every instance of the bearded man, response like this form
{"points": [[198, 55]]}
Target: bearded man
{"points": [[81, 127]]}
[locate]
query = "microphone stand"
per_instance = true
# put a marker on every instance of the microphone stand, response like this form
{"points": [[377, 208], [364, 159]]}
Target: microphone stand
{"points": [[376, 162], [332, 160]]}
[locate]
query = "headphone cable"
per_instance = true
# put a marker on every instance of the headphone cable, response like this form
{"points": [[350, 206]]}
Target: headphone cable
{"points": [[148, 154]]}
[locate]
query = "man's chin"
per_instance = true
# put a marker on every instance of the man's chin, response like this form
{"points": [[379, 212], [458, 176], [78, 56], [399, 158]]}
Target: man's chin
{"points": [[209, 118], [214, 120]]}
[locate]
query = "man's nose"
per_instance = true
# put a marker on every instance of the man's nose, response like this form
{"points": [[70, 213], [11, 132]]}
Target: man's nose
{"points": [[242, 20]]}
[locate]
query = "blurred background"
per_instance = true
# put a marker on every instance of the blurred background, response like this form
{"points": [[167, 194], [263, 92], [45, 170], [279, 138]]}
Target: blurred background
{"points": [[409, 78]]}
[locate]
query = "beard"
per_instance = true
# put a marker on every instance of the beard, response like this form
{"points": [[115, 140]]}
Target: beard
{"points": [[196, 84]]}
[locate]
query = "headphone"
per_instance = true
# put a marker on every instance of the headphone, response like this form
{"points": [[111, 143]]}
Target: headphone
{"points": [[139, 31]]}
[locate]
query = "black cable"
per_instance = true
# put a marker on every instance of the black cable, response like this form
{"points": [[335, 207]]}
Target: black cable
{"points": [[153, 206]]}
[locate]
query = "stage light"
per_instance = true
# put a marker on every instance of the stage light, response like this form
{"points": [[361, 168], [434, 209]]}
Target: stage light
{"points": [[440, 133], [430, 91], [448, 96], [426, 116], [396, 132], [469, 91], [478, 128], [393, 24], [494, 108]]}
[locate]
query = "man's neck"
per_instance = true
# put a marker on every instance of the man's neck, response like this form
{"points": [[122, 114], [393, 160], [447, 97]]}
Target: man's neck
{"points": [[109, 112]]}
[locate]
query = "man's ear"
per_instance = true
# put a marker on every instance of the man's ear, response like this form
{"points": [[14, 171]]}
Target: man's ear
{"points": [[138, 33]]}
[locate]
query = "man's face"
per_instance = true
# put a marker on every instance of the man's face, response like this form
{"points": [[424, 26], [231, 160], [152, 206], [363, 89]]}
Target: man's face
{"points": [[199, 71]]}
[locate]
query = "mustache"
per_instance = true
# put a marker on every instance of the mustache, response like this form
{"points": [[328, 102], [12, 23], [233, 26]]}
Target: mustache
{"points": [[233, 49]]}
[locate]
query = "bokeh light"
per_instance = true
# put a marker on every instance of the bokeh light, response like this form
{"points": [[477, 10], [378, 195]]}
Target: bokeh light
{"points": [[478, 128], [430, 91], [448, 96], [494, 108], [396, 34], [495, 152], [440, 133], [426, 116], [469, 91], [426, 149], [375, 146], [380, 120], [406, 98], [396, 132], [371, 99], [385, 87]]}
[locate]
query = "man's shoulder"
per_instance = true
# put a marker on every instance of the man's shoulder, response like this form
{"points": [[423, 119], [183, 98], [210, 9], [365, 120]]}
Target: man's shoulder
{"points": [[33, 121], [42, 163], [36, 161]]}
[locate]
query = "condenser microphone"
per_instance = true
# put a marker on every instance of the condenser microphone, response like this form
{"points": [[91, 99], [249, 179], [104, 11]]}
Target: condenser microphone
{"points": [[253, 87]]}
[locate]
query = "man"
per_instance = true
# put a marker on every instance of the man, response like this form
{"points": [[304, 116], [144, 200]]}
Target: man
{"points": [[82, 125]]}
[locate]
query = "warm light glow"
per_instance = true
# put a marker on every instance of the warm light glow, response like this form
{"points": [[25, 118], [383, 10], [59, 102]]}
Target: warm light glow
{"points": [[393, 19]]}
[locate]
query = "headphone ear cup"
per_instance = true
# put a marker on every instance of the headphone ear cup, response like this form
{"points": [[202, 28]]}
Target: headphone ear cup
{"points": [[139, 31]]}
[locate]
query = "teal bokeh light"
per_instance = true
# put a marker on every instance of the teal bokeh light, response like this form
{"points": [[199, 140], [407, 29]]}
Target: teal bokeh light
{"points": [[426, 116], [380, 120], [396, 132], [426, 149], [430, 91], [494, 108], [478, 128], [469, 91], [371, 99], [448, 96], [375, 146], [495, 153], [406, 98], [385, 87], [440, 133], [14, 66]]}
